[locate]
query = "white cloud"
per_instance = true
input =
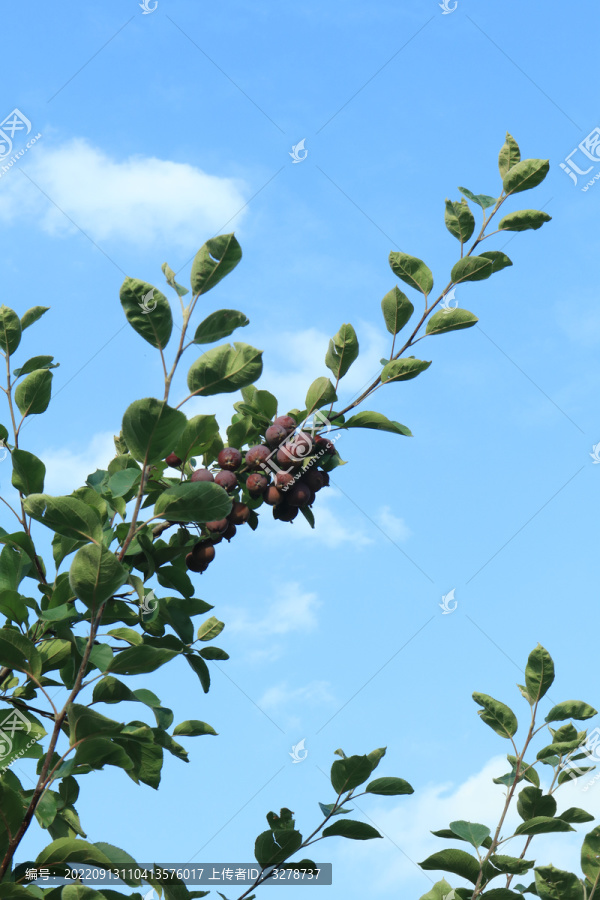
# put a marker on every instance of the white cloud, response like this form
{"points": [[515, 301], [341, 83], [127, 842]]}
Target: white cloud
{"points": [[138, 199], [394, 526], [66, 470], [292, 610], [282, 695]]}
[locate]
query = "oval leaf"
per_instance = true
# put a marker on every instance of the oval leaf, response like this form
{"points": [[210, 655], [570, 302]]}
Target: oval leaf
{"points": [[10, 329], [349, 772], [525, 175], [459, 219], [524, 220], [148, 311], [219, 325], [456, 861], [193, 728], [509, 155], [450, 320], [198, 501], [32, 395], [96, 574], [497, 715], [412, 271], [403, 369], [350, 828], [140, 660], [28, 472], [151, 429], [377, 421], [389, 787], [472, 832], [213, 261], [65, 515], [320, 393], [343, 350], [225, 369], [397, 310], [542, 825], [471, 268], [499, 260], [571, 709], [539, 673], [32, 315]]}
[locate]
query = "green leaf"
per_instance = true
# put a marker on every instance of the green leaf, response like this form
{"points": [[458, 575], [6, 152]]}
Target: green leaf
{"points": [[327, 810], [533, 802], [403, 369], [472, 832], [225, 369], [219, 325], [348, 773], [389, 787], [456, 861], [201, 670], [525, 175], [122, 482], [32, 315], [193, 728], [482, 200], [65, 515], [96, 574], [497, 715], [509, 155], [12, 607], [148, 311], [576, 816], [539, 673], [554, 884], [412, 271], [377, 421], [524, 220], [320, 393], [459, 220], [571, 709], [170, 276], [342, 351], [439, 891], [197, 501], [197, 435], [269, 853], [140, 660], [511, 865], [499, 260], [45, 811], [10, 330], [87, 723], [450, 320], [28, 472], [151, 429], [397, 310], [590, 854], [210, 629], [32, 395], [36, 362], [17, 652], [542, 825], [471, 268], [350, 828], [71, 850], [215, 259]]}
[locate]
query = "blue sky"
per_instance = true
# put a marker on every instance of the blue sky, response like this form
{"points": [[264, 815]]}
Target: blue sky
{"points": [[160, 130]]}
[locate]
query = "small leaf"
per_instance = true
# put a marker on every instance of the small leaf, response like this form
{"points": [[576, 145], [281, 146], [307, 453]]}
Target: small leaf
{"points": [[525, 175], [482, 200], [524, 220], [140, 660], [539, 673], [509, 155], [65, 515], [32, 315], [151, 429], [459, 220], [210, 629], [148, 311], [377, 421], [36, 362], [389, 787], [95, 575], [450, 320], [571, 709], [320, 393], [350, 828], [220, 324], [403, 369], [28, 472], [170, 276], [225, 369], [213, 261], [576, 816], [499, 260], [193, 501], [32, 395], [349, 772], [412, 271], [472, 832], [456, 861], [193, 728], [471, 268], [542, 825], [397, 310], [10, 330], [342, 352], [497, 715], [326, 809]]}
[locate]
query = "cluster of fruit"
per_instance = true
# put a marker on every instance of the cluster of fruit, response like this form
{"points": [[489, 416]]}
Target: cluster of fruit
{"points": [[283, 473]]}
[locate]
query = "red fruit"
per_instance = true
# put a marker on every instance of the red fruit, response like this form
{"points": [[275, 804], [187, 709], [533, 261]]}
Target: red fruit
{"points": [[286, 459], [285, 513], [226, 479], [273, 496], [218, 525], [302, 445], [230, 458], [239, 514], [195, 565], [287, 422], [203, 552], [256, 484], [173, 461], [229, 531], [275, 434], [300, 495], [202, 475], [257, 455], [284, 479], [322, 444]]}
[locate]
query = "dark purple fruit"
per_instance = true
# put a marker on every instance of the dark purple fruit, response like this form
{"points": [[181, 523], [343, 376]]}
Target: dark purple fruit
{"points": [[285, 457], [257, 455], [202, 475], [194, 564], [218, 525], [314, 479], [256, 484], [239, 514], [302, 446], [325, 478], [285, 513], [173, 461], [273, 496], [226, 479], [284, 479], [204, 552], [230, 458], [300, 495], [286, 422], [322, 444], [275, 434], [229, 531]]}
